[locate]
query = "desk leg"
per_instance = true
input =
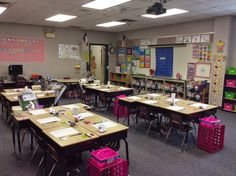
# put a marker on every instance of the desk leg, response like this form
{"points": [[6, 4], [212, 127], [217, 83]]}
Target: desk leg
{"points": [[96, 100], [127, 150], [31, 141], [44, 162], [19, 143], [128, 116], [13, 137]]}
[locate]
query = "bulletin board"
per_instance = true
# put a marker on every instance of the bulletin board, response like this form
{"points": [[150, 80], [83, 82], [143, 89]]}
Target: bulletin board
{"points": [[66, 51], [22, 49], [203, 70]]}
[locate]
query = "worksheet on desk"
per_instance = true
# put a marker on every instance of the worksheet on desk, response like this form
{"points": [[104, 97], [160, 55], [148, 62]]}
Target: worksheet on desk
{"points": [[38, 112], [48, 120], [198, 105], [149, 102], [134, 98], [106, 124], [64, 132], [72, 106], [175, 108]]}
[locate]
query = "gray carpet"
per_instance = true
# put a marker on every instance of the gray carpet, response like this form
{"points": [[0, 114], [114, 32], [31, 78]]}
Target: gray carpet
{"points": [[148, 156]]}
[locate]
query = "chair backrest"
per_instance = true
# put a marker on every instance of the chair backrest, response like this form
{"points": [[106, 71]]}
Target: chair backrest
{"points": [[123, 111], [1, 85], [143, 113], [59, 94], [177, 122], [21, 82], [102, 98]]}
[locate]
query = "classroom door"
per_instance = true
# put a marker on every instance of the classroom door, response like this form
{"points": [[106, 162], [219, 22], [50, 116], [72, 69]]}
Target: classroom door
{"points": [[99, 62], [164, 61]]}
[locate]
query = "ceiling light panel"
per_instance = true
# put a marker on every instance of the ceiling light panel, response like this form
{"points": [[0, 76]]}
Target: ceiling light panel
{"points": [[104, 4], [111, 24], [169, 12], [60, 18]]}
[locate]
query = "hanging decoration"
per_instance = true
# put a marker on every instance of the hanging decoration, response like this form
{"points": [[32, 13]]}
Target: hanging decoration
{"points": [[124, 41]]}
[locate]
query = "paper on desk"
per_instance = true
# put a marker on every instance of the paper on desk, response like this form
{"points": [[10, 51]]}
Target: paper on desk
{"points": [[83, 115], [64, 132], [18, 90], [105, 125], [175, 108], [48, 120], [154, 95], [198, 105], [104, 89], [16, 108], [40, 95], [149, 101], [71, 106], [15, 98], [38, 112], [135, 98], [176, 99]]}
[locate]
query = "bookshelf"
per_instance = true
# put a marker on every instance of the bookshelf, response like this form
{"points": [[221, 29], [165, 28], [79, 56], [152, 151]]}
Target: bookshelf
{"points": [[121, 79]]}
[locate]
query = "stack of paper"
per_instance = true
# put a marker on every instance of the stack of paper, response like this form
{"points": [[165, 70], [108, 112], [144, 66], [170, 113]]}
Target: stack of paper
{"points": [[105, 125], [149, 101], [135, 98], [199, 105], [81, 116], [176, 99], [38, 112], [48, 120], [175, 108], [64, 132], [71, 106]]}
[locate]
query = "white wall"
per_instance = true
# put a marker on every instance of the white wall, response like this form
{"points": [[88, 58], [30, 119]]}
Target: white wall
{"points": [[52, 66], [232, 56]]}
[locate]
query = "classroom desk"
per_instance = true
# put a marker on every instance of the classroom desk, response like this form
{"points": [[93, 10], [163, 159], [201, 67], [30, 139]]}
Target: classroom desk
{"points": [[76, 143], [10, 98], [160, 105], [67, 81], [21, 120], [12, 84], [109, 91]]}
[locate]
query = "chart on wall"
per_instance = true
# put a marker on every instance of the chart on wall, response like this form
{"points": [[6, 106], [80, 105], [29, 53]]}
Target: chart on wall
{"points": [[22, 49], [202, 52], [68, 51]]}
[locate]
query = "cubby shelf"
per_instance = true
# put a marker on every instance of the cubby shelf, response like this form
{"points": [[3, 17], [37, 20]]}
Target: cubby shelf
{"points": [[121, 79]]}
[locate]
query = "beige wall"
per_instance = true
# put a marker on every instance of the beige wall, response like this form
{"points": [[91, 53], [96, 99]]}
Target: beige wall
{"points": [[52, 66]]}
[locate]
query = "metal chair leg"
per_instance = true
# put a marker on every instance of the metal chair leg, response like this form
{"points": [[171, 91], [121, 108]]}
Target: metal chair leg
{"points": [[32, 157], [52, 169], [40, 163], [193, 138], [167, 136], [150, 125], [183, 142]]}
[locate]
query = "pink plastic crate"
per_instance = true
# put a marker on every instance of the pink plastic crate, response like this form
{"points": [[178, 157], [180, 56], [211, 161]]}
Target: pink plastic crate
{"points": [[211, 137], [228, 106], [104, 156], [209, 121], [117, 168], [230, 83]]}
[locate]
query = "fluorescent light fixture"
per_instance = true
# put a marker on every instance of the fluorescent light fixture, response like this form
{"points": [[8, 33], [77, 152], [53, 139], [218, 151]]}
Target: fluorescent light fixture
{"points": [[2, 9], [169, 12], [60, 18], [111, 24], [104, 4]]}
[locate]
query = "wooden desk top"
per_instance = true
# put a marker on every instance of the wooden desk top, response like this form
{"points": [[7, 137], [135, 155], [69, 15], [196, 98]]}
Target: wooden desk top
{"points": [[111, 88], [12, 96], [186, 107]]}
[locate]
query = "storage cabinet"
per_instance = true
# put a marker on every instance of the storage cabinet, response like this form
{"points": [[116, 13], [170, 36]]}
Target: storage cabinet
{"points": [[145, 84], [121, 79], [229, 95]]}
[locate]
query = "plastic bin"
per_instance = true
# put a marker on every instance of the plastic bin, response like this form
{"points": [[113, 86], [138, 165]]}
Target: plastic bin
{"points": [[231, 71], [104, 156], [118, 168], [228, 106], [211, 136], [231, 83], [229, 95]]}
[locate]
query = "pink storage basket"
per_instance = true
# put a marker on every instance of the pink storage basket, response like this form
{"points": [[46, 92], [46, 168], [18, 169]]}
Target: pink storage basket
{"points": [[228, 106], [104, 156], [123, 111], [117, 168], [230, 83]]}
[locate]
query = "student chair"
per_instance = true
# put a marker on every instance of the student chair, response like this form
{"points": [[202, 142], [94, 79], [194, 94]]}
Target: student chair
{"points": [[21, 82], [177, 124], [104, 103], [59, 95], [144, 114]]}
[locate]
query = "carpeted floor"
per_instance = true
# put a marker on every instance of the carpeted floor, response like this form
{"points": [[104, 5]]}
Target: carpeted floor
{"points": [[148, 156]]}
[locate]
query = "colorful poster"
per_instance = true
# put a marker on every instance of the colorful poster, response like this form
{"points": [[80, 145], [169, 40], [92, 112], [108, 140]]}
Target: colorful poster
{"points": [[190, 71], [129, 58], [22, 49], [129, 51], [136, 52], [74, 51], [202, 52], [147, 52]]}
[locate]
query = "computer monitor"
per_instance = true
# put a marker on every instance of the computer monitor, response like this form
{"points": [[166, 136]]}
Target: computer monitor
{"points": [[15, 69]]}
